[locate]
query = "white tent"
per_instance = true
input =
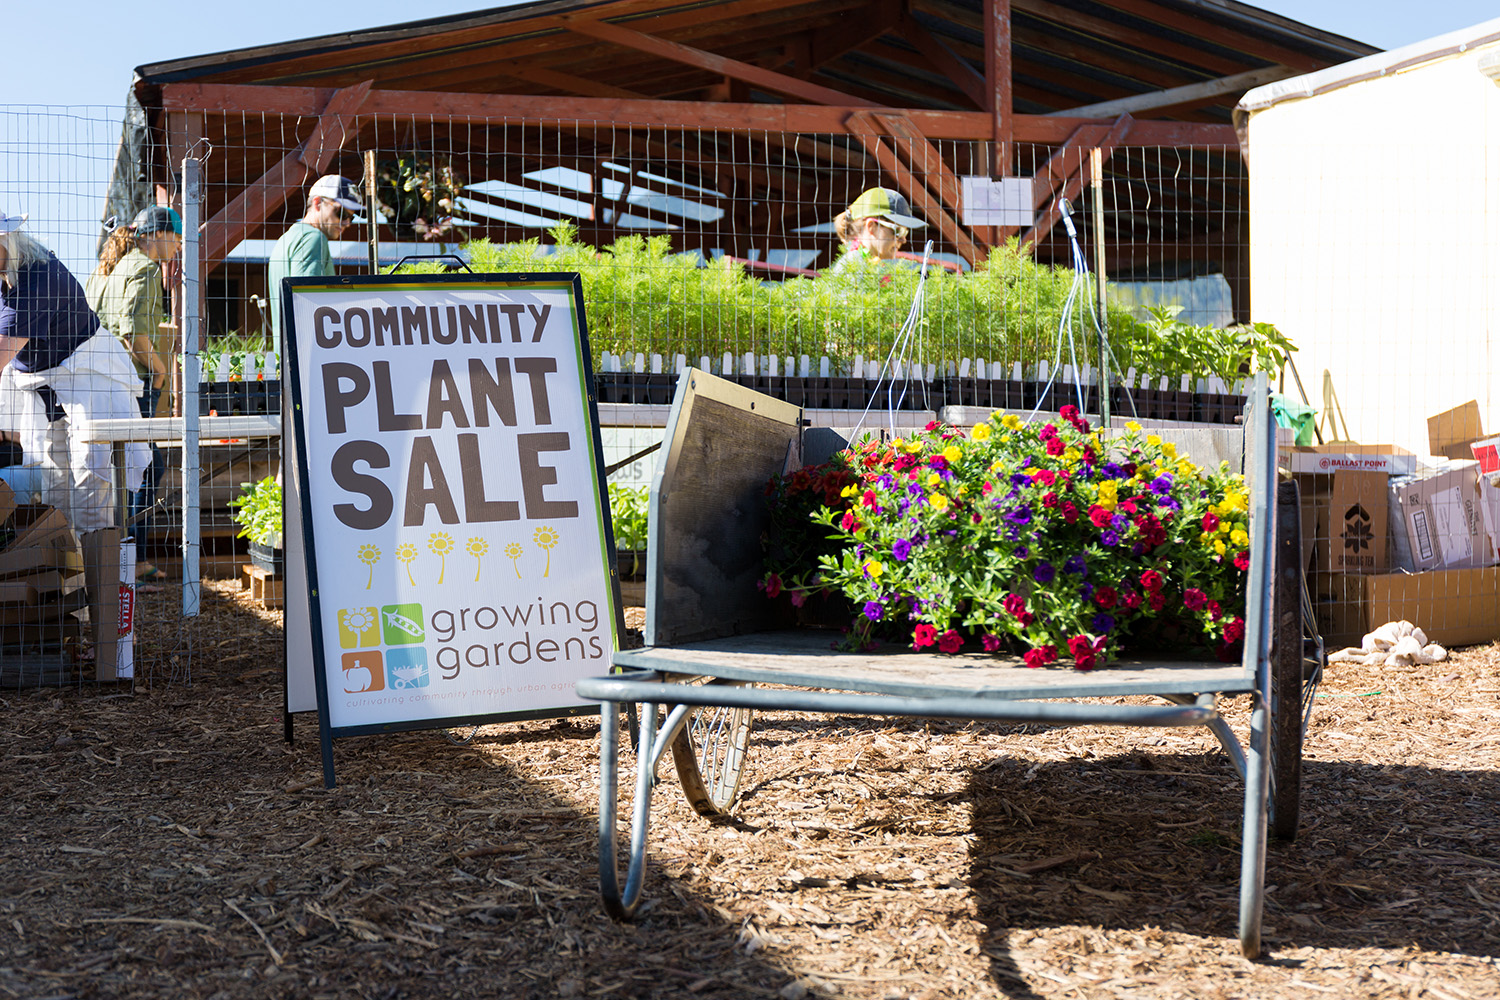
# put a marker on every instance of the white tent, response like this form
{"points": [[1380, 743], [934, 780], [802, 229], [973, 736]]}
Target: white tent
{"points": [[1375, 229]]}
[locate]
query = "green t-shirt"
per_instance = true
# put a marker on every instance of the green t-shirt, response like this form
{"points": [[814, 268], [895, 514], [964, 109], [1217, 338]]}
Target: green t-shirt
{"points": [[128, 301], [301, 251]]}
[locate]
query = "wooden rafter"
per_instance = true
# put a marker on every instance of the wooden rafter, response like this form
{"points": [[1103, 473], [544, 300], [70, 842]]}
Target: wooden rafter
{"points": [[251, 206], [1175, 96], [677, 52], [946, 61], [589, 113], [1058, 180], [829, 43], [865, 127]]}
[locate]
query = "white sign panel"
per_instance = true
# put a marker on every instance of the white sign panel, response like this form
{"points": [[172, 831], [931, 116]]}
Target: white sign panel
{"points": [[1009, 201], [458, 537]]}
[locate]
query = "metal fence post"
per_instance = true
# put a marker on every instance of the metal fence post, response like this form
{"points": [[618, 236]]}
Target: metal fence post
{"points": [[192, 265]]}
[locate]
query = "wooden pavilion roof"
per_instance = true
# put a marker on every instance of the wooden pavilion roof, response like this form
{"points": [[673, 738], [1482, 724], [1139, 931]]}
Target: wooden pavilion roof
{"points": [[896, 84]]}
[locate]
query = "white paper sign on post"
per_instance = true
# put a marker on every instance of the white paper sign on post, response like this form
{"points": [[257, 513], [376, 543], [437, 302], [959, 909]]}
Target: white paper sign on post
{"points": [[458, 545]]}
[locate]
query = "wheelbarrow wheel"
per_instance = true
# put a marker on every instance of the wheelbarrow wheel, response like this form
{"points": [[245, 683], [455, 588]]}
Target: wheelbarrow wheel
{"points": [[710, 755], [1287, 668]]}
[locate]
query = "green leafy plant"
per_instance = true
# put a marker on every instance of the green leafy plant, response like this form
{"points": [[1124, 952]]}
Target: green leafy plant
{"points": [[628, 508], [417, 193], [257, 510], [1163, 344]]}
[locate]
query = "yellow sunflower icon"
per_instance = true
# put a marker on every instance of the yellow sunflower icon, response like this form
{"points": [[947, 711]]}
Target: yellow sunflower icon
{"points": [[513, 553], [441, 543], [477, 547], [546, 537], [369, 555], [405, 553]]}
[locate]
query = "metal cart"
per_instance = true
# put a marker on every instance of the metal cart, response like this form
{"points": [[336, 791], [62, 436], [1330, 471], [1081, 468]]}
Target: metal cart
{"points": [[713, 642]]}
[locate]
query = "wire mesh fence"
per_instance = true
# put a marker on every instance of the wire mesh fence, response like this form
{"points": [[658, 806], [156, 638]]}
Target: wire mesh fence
{"points": [[973, 282]]}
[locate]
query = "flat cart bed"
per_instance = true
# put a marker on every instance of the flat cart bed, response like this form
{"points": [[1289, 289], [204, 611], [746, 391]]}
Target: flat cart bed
{"points": [[704, 558]]}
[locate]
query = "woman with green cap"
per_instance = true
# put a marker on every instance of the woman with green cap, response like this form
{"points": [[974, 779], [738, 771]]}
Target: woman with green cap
{"points": [[874, 227]]}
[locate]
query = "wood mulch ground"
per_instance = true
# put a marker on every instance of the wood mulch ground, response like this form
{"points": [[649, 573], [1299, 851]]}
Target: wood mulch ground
{"points": [[165, 842]]}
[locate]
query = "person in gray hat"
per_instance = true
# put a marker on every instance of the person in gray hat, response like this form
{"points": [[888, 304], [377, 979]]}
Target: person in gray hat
{"points": [[332, 203], [874, 227]]}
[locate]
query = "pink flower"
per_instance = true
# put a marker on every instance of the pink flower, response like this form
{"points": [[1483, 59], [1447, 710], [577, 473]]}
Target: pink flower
{"points": [[923, 635], [1242, 561], [990, 642], [950, 641], [1210, 522], [1193, 598], [1151, 580], [773, 585]]}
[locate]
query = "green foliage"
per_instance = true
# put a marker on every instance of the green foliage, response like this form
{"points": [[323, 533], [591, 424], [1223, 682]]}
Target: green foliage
{"points": [[1162, 344], [628, 506], [642, 297], [417, 194], [257, 510]]}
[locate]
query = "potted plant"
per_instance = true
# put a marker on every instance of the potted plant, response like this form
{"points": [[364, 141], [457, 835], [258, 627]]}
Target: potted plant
{"points": [[628, 506], [257, 510]]}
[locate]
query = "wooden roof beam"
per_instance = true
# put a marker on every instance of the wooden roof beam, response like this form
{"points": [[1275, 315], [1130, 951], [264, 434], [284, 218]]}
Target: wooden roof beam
{"points": [[1190, 94], [1065, 182], [943, 59], [251, 206], [827, 44], [1218, 34], [1121, 34], [778, 83]]}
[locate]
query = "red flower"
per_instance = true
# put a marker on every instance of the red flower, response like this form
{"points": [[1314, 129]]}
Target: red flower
{"points": [[1157, 601], [1210, 522], [1151, 580], [1068, 413], [1069, 512], [773, 586], [1049, 501], [1040, 656], [1025, 618], [1083, 652], [1132, 600], [1106, 597], [1055, 446], [868, 498], [1046, 477], [990, 642], [950, 641], [1215, 612], [1242, 561], [924, 635], [1014, 603], [1235, 630], [1048, 432], [850, 522], [932, 425], [1099, 516], [1193, 598], [1128, 507], [1088, 453], [987, 489]]}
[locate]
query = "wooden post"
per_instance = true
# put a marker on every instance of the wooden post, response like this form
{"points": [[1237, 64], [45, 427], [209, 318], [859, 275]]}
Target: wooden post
{"points": [[370, 203], [1096, 182], [997, 75]]}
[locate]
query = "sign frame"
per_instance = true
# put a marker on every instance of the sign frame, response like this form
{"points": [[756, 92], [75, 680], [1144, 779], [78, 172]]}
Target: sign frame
{"points": [[294, 389]]}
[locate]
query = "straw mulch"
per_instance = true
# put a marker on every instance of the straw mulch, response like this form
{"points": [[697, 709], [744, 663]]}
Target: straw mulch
{"points": [[167, 843]]}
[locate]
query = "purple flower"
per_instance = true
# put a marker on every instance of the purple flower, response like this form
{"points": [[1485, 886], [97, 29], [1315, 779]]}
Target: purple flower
{"points": [[1043, 573], [887, 481], [1162, 483], [1019, 515], [1111, 470], [873, 610], [1086, 592], [1119, 522], [1020, 479], [1022, 552], [1110, 538], [1103, 623], [1077, 566], [901, 549]]}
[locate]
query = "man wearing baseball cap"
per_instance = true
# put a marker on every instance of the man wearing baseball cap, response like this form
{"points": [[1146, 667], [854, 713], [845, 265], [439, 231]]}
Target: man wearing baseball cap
{"points": [[874, 227], [332, 203]]}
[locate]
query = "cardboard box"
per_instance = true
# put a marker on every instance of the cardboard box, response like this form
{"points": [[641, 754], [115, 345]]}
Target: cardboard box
{"points": [[7, 502], [1450, 433], [1442, 521], [1339, 607], [1345, 522], [1389, 459], [1487, 454], [1455, 607]]}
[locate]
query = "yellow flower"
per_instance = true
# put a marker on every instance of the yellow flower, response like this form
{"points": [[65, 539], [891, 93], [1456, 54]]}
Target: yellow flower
{"points": [[1132, 427], [1239, 537], [1226, 526], [874, 568], [1220, 548], [996, 468], [912, 447], [1011, 422], [951, 454], [1153, 439], [934, 481], [981, 432], [939, 501], [1186, 468], [963, 490], [1169, 449], [1071, 456], [849, 491]]}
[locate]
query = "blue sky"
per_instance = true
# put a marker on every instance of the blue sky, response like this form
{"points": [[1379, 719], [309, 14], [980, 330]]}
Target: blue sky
{"points": [[76, 57]]}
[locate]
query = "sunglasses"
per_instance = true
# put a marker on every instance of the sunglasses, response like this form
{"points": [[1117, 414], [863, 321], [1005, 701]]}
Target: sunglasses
{"points": [[900, 232]]}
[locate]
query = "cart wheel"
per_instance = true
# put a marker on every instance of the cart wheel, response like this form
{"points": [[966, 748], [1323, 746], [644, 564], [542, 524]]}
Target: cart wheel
{"points": [[1286, 668], [710, 755]]}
